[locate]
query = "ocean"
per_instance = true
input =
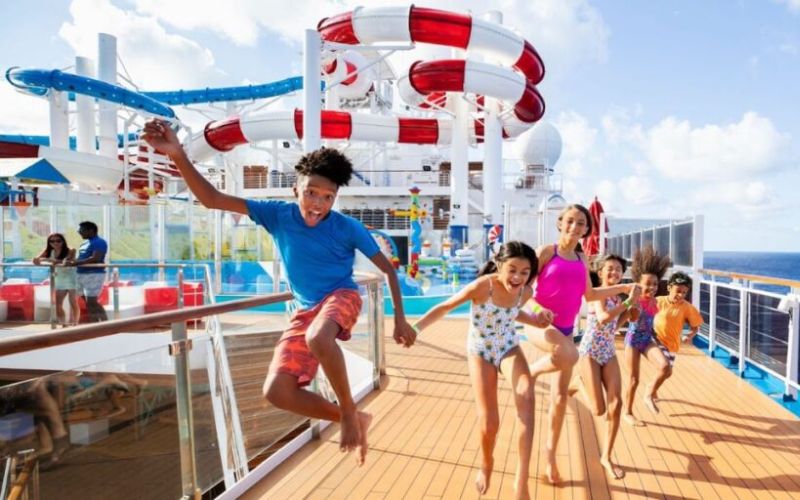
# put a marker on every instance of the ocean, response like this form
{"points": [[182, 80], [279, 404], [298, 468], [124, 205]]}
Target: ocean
{"points": [[773, 264]]}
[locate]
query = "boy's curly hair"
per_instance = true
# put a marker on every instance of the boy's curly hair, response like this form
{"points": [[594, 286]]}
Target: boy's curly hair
{"points": [[647, 261], [328, 163]]}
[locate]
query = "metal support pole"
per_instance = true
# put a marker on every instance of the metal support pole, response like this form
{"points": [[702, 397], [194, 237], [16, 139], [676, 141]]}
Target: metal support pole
{"points": [[53, 297], [742, 330], [792, 353], [115, 290], [180, 288], [179, 350], [712, 318]]}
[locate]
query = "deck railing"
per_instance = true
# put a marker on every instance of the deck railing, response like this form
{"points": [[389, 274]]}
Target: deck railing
{"points": [[163, 415], [754, 326]]}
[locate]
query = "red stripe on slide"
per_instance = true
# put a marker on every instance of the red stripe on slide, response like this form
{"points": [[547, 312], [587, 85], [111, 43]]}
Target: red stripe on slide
{"points": [[440, 27], [418, 131], [437, 76], [530, 64], [338, 28], [530, 107], [224, 135]]}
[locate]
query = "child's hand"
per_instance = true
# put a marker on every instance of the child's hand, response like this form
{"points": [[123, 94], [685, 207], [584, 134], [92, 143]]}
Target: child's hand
{"points": [[37, 261], [158, 134], [404, 334], [689, 338], [544, 317], [635, 293]]}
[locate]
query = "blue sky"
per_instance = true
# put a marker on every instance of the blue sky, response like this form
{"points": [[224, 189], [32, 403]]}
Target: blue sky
{"points": [[665, 108]]}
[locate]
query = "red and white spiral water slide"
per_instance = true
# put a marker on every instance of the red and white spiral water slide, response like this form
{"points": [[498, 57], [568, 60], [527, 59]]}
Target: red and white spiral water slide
{"points": [[426, 82]]}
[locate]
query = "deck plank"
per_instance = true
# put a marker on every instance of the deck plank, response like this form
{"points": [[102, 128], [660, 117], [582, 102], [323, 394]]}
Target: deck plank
{"points": [[715, 437]]}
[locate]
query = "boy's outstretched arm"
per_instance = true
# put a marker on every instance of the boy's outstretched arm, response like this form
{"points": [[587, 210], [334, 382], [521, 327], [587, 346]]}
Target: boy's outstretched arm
{"points": [[160, 135], [403, 332]]}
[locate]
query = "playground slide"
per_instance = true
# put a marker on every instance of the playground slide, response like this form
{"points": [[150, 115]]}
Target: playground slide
{"points": [[515, 86]]}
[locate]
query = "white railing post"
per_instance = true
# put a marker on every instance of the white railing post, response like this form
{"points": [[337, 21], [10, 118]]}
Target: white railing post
{"points": [[712, 318], [792, 353], [742, 329]]}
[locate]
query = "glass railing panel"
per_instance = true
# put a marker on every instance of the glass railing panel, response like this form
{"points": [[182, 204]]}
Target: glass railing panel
{"points": [[206, 421], [728, 306], [106, 429], [662, 240], [705, 307], [683, 244], [250, 339], [647, 238], [768, 332]]}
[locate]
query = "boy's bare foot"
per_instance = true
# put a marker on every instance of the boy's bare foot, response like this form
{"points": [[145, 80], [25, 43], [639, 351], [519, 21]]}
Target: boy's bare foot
{"points": [[483, 477], [364, 420], [650, 404], [612, 470], [350, 432], [553, 476], [631, 420]]}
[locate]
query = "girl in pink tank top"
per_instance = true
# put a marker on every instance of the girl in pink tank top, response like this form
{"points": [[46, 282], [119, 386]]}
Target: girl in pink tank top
{"points": [[562, 283]]}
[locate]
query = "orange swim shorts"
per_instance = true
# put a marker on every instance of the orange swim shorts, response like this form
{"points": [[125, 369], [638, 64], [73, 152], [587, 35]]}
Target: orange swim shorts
{"points": [[292, 355]]}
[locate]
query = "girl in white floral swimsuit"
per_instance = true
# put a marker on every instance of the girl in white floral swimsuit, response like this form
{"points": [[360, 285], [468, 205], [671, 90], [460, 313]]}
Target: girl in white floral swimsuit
{"points": [[497, 295], [598, 366]]}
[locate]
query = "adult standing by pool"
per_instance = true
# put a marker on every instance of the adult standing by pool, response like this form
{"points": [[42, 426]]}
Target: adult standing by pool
{"points": [[90, 279]]}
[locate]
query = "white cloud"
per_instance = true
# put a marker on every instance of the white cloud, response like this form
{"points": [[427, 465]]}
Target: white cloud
{"points": [[792, 5], [750, 199], [22, 114], [155, 59], [579, 151], [715, 152], [565, 32], [638, 190]]}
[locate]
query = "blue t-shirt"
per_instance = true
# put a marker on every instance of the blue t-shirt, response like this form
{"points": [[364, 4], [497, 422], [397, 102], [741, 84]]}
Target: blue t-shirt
{"points": [[318, 259], [87, 249]]}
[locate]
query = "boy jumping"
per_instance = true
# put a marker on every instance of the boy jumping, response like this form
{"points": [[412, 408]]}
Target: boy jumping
{"points": [[318, 248]]}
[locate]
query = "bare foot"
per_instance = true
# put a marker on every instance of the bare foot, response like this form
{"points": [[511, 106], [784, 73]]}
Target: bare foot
{"points": [[364, 420], [483, 477], [612, 470], [552, 471], [631, 420], [650, 404], [351, 432]]}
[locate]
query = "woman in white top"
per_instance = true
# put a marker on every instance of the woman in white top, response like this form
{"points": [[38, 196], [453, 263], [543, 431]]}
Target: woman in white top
{"points": [[66, 279]]}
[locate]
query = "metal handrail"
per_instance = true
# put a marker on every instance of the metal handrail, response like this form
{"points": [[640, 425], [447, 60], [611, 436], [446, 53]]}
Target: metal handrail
{"points": [[769, 280], [24, 343]]}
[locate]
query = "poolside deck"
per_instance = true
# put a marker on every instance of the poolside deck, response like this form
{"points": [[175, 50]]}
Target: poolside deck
{"points": [[716, 437]]}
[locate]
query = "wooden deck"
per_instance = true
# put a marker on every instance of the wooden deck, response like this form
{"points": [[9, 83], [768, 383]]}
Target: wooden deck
{"points": [[716, 437]]}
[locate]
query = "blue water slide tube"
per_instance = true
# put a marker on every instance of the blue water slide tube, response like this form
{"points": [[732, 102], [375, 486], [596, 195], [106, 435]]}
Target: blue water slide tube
{"points": [[43, 140], [38, 81], [225, 94]]}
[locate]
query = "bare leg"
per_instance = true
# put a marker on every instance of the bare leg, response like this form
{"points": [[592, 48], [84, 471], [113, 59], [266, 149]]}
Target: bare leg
{"points": [[60, 294], [612, 380], [283, 392], [321, 339], [591, 382], [562, 358], [657, 358], [515, 369], [632, 360], [96, 311], [484, 383], [75, 311]]}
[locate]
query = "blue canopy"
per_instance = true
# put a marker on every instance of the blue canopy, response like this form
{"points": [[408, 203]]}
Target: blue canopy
{"points": [[33, 170]]}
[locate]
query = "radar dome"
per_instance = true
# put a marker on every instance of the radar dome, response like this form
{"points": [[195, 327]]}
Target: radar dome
{"points": [[541, 145]]}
